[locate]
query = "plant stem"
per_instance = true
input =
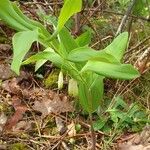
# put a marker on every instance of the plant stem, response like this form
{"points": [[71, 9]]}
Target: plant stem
{"points": [[93, 136]]}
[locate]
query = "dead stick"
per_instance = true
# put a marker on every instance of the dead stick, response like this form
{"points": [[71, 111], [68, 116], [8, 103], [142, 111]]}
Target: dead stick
{"points": [[125, 17]]}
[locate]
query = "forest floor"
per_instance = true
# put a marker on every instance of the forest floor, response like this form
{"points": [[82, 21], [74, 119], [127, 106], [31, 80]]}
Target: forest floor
{"points": [[35, 115]]}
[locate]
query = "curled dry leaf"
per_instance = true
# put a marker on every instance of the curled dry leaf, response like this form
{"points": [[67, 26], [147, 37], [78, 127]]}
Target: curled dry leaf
{"points": [[20, 109], [56, 105]]}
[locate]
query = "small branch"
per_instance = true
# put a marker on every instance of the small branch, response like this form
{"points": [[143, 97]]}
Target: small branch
{"points": [[121, 14], [139, 44], [133, 16], [142, 63], [90, 15], [123, 21], [77, 23], [41, 3], [93, 28], [93, 136]]}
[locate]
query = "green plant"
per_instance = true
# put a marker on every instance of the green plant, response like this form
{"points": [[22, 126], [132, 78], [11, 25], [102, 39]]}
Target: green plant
{"points": [[73, 56], [120, 117]]}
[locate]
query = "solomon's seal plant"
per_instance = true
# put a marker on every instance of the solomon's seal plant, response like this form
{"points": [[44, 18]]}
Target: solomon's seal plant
{"points": [[83, 64]]}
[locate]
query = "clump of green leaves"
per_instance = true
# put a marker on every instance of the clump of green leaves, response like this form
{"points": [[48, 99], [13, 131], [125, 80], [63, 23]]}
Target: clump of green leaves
{"points": [[122, 116], [73, 56], [119, 118]]}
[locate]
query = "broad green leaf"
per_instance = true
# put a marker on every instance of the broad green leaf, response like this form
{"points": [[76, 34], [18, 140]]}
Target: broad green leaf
{"points": [[90, 94], [84, 39], [8, 15], [112, 53], [22, 42], [31, 22], [46, 55], [12, 15], [119, 71], [81, 54], [19, 23], [58, 61], [118, 46], [69, 8], [105, 57], [97, 90], [67, 40], [42, 61]]}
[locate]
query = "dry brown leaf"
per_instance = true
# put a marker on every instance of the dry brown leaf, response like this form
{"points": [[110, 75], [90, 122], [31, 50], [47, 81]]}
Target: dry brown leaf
{"points": [[5, 47], [6, 72], [60, 125], [20, 109], [3, 147], [55, 105], [3, 119], [143, 62], [11, 86], [22, 126], [129, 146], [71, 129], [137, 142]]}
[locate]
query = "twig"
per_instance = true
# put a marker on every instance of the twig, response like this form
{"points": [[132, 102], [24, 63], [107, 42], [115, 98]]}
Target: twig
{"points": [[65, 145], [121, 92], [142, 63], [104, 39], [97, 34], [125, 17], [130, 25], [77, 23], [93, 136], [41, 3], [130, 15], [120, 14], [90, 15], [136, 46]]}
